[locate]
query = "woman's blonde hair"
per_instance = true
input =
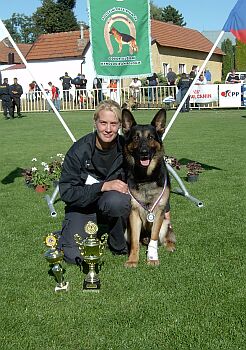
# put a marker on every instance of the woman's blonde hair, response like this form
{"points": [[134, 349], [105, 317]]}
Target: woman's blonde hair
{"points": [[108, 105]]}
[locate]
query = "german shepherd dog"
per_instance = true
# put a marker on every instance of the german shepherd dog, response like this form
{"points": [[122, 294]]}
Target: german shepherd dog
{"points": [[149, 186], [122, 38]]}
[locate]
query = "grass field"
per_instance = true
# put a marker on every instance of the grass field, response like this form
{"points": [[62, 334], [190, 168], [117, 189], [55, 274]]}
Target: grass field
{"points": [[195, 299]]}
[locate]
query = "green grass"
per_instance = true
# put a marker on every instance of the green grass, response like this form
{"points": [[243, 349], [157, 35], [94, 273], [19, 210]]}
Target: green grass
{"points": [[194, 300]]}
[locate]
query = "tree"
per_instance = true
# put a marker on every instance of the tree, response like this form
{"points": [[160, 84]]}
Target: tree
{"points": [[228, 59], [240, 54], [167, 14], [21, 28], [55, 17]]}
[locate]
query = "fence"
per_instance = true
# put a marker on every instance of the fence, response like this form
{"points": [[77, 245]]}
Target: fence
{"points": [[224, 95]]}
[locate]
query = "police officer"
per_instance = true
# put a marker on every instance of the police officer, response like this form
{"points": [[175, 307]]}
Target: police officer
{"points": [[16, 91], [6, 99], [184, 84], [66, 85]]}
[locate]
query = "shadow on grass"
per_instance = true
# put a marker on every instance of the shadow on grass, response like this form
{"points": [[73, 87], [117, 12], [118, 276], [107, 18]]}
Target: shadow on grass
{"points": [[185, 161], [10, 178], [243, 116]]}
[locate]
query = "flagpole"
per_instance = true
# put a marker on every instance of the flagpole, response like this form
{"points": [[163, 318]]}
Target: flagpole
{"points": [[2, 26], [193, 83]]}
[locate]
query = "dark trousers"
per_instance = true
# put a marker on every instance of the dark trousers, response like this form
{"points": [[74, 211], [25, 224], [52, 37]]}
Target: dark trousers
{"points": [[7, 107], [186, 105], [16, 102], [112, 209]]}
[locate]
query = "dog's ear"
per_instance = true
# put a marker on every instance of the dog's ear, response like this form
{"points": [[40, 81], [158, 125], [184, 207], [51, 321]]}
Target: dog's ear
{"points": [[128, 120], [159, 121]]}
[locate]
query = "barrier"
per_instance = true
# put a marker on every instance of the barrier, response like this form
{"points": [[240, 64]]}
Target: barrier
{"points": [[162, 96]]}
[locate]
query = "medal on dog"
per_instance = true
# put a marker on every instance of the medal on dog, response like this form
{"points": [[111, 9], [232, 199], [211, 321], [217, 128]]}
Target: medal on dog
{"points": [[150, 217]]}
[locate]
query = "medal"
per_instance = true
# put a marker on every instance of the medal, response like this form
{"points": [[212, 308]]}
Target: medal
{"points": [[150, 217]]}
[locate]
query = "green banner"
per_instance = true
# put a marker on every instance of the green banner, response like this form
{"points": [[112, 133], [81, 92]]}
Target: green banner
{"points": [[120, 37]]}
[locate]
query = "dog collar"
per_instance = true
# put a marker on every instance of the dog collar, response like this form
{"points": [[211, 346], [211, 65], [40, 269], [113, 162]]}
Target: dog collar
{"points": [[150, 215]]}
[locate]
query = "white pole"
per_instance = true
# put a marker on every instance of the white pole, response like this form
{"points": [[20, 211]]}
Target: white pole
{"points": [[193, 83], [4, 30]]}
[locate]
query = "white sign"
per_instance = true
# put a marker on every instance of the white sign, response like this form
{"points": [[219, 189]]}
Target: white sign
{"points": [[204, 93], [230, 95]]}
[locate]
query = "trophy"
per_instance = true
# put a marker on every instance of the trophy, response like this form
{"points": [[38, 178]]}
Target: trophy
{"points": [[54, 257], [91, 249]]}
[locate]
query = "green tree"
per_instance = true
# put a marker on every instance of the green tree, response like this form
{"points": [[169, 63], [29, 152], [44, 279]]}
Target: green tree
{"points": [[21, 28], [167, 14], [228, 59], [55, 16], [240, 56]]}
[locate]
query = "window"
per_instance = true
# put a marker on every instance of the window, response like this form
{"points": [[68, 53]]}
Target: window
{"points": [[181, 68], [165, 68]]}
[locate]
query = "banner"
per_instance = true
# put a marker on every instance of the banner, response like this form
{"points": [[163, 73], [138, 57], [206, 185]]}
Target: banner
{"points": [[120, 37], [204, 93], [230, 95]]}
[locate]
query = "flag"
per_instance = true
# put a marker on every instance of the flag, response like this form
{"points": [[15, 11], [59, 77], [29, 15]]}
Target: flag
{"points": [[120, 37], [236, 22]]}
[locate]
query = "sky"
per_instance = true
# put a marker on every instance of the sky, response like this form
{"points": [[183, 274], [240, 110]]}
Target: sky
{"points": [[199, 15]]}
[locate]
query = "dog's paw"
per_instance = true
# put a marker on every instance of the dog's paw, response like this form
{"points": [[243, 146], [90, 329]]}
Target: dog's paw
{"points": [[152, 252], [130, 264], [153, 262]]}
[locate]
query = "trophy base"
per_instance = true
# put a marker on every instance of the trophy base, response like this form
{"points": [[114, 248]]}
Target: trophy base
{"points": [[63, 288], [91, 286]]}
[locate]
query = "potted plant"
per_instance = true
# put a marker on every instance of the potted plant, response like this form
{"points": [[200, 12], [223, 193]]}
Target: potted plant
{"points": [[193, 171], [55, 168], [42, 174], [173, 162]]}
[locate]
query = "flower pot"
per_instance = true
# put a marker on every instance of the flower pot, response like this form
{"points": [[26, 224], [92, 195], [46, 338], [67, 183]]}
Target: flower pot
{"points": [[192, 178], [40, 188]]}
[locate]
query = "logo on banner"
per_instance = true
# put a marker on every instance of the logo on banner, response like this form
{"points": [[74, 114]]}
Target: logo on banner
{"points": [[229, 93]]}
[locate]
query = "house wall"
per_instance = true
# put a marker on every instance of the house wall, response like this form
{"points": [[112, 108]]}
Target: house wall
{"points": [[173, 57], [51, 70]]}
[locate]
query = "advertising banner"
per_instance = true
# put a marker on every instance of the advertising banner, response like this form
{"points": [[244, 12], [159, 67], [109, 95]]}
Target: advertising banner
{"points": [[230, 95], [204, 93], [120, 37]]}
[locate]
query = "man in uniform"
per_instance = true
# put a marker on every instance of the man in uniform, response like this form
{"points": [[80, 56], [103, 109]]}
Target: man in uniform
{"points": [[6, 99], [66, 86], [16, 91], [184, 84]]}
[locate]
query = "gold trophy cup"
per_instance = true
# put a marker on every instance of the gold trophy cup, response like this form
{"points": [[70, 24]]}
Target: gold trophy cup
{"points": [[91, 249], [54, 257]]}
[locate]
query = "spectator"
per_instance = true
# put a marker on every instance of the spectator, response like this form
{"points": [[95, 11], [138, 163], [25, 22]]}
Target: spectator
{"points": [[93, 184], [201, 80], [152, 81], [55, 95], [66, 86], [6, 99], [135, 86], [171, 81], [97, 86], [16, 91], [208, 75], [113, 89], [193, 72], [233, 78], [183, 84], [80, 84]]}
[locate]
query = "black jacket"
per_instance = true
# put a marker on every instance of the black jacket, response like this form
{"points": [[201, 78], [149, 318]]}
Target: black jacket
{"points": [[5, 92], [76, 168], [16, 90]]}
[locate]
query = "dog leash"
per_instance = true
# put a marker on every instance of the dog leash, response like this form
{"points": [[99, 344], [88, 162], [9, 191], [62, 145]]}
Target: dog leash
{"points": [[150, 215]]}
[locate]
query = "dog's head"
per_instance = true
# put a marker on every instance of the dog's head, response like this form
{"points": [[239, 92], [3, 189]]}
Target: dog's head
{"points": [[112, 30], [143, 143]]}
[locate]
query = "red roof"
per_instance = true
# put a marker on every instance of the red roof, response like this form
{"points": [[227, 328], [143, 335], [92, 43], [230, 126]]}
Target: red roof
{"points": [[171, 35], [5, 50], [59, 45]]}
